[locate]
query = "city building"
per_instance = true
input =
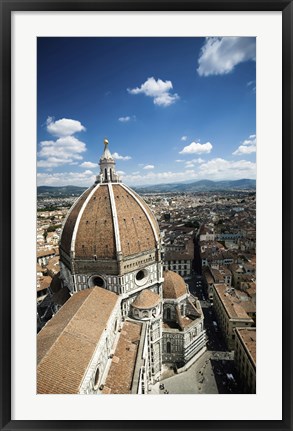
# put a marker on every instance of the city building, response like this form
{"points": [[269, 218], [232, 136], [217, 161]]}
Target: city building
{"points": [[179, 251], [123, 322], [245, 357], [44, 256], [230, 312]]}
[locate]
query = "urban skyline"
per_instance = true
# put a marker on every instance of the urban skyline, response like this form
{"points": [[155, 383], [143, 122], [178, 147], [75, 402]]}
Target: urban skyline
{"points": [[173, 109]]}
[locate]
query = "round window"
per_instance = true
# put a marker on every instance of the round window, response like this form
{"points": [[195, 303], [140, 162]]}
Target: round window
{"points": [[95, 280], [141, 277]]}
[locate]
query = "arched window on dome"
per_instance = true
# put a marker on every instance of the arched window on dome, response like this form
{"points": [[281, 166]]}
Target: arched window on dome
{"points": [[111, 176], [168, 314], [106, 175], [168, 347]]}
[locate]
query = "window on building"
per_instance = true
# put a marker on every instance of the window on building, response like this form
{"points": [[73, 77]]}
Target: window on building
{"points": [[168, 314], [168, 347], [95, 280]]}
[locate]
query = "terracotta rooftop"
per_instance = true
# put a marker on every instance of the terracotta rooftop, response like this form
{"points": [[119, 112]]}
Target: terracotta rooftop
{"points": [[66, 344], [136, 232], [69, 224], [174, 286], [146, 299], [232, 305], [186, 321], [39, 268], [186, 254], [120, 376], [44, 253], [95, 233], [45, 282], [248, 338]]}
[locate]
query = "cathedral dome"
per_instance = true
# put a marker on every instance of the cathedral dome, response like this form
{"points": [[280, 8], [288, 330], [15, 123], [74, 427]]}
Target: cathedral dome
{"points": [[109, 222], [174, 286], [146, 299]]}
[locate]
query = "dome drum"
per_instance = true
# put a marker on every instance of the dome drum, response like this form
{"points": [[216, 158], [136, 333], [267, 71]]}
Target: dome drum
{"points": [[147, 314], [85, 266]]}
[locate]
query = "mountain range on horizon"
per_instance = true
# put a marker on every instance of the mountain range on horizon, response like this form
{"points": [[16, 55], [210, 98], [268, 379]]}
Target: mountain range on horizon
{"points": [[185, 186]]}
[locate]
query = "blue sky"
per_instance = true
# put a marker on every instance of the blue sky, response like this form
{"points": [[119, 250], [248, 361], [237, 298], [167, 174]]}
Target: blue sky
{"points": [[173, 109]]}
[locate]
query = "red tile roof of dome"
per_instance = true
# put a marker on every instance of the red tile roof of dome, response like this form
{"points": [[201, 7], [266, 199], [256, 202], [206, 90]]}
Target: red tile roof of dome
{"points": [[146, 299], [174, 286], [90, 228]]}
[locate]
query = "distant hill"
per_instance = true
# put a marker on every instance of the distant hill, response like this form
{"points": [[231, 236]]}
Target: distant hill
{"points": [[196, 186], [60, 191], [199, 186]]}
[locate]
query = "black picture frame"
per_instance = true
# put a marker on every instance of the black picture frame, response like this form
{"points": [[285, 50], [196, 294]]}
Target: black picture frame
{"points": [[7, 7]]}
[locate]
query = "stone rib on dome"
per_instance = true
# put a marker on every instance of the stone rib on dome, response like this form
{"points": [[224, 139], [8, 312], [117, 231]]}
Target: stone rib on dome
{"points": [[174, 286], [146, 299]]}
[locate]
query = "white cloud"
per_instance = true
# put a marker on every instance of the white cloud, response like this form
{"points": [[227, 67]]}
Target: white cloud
{"points": [[179, 160], [252, 85], [119, 157], [215, 169], [64, 127], [159, 90], [160, 177], [193, 162], [89, 165], [220, 169], [184, 138], [196, 147], [124, 119], [65, 150], [149, 167], [165, 99], [85, 178], [127, 119], [247, 147], [219, 55]]}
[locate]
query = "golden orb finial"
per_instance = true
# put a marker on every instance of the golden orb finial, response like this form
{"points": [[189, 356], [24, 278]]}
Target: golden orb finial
{"points": [[106, 142]]}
